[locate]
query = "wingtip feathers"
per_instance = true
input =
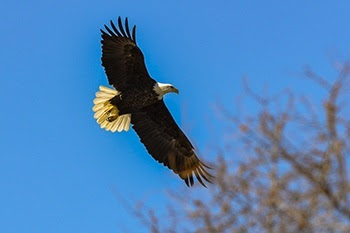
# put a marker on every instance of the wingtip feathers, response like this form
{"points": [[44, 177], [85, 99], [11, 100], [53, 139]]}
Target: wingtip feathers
{"points": [[199, 172], [121, 31]]}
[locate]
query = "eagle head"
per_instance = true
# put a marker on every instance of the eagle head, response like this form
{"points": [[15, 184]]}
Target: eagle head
{"points": [[163, 88]]}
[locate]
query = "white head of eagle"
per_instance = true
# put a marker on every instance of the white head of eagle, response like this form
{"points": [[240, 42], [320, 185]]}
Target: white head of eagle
{"points": [[137, 100], [163, 88]]}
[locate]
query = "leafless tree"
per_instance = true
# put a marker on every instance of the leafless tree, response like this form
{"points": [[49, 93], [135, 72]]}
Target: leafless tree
{"points": [[285, 171]]}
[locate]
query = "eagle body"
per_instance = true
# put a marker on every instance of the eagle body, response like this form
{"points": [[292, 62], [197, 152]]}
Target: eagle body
{"points": [[137, 100], [134, 100]]}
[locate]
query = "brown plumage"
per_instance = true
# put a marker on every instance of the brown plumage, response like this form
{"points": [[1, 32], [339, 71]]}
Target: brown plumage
{"points": [[139, 97]]}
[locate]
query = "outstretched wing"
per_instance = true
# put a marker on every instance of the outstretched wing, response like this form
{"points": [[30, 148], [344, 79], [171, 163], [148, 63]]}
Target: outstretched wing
{"points": [[122, 59], [167, 144]]}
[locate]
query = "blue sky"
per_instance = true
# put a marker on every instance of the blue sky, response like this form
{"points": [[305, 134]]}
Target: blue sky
{"points": [[59, 171]]}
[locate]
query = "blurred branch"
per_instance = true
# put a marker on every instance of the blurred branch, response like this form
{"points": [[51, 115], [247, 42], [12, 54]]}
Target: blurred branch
{"points": [[285, 169]]}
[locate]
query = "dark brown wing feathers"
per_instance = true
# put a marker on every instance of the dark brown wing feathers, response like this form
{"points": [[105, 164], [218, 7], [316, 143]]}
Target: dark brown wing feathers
{"points": [[122, 58], [167, 144]]}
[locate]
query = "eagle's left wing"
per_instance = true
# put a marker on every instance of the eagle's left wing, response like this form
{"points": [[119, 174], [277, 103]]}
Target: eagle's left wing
{"points": [[167, 144]]}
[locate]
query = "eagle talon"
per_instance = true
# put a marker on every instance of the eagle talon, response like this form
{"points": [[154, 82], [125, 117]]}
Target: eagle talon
{"points": [[112, 118]]}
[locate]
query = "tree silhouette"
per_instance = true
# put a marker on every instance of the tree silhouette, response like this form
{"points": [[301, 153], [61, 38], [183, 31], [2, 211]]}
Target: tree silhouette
{"points": [[288, 171]]}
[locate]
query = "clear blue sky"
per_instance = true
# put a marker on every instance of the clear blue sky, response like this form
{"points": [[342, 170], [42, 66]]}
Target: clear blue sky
{"points": [[59, 170]]}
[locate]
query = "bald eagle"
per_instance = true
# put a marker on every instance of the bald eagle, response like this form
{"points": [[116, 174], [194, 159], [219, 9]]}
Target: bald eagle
{"points": [[137, 99]]}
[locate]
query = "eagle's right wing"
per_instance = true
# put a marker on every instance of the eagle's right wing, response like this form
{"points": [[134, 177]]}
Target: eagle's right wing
{"points": [[122, 59]]}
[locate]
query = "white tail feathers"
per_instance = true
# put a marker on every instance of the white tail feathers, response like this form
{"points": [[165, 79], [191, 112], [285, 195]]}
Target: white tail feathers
{"points": [[106, 114]]}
